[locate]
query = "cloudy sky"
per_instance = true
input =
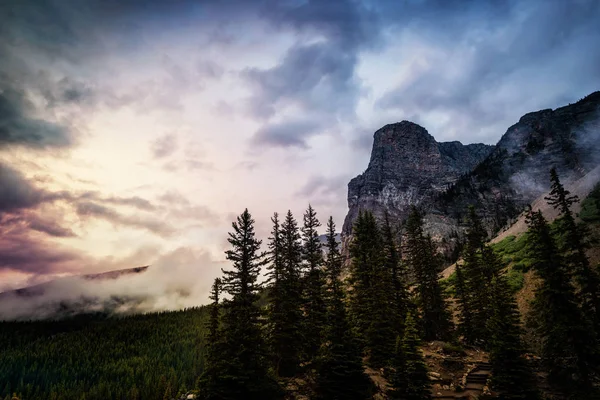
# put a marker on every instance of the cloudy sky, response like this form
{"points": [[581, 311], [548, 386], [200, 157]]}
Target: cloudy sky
{"points": [[133, 131]]}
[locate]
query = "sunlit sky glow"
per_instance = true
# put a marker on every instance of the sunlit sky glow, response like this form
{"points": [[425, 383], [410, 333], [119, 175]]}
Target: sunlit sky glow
{"points": [[134, 131]]}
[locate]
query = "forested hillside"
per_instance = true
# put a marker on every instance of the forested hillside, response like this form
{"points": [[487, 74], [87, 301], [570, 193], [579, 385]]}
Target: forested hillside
{"points": [[392, 329], [93, 357]]}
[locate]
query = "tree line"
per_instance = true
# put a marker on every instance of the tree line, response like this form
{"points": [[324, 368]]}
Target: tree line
{"points": [[326, 329], [324, 319]]}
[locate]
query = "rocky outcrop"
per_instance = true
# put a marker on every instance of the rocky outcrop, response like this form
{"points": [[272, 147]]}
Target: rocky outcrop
{"points": [[408, 167], [517, 171]]}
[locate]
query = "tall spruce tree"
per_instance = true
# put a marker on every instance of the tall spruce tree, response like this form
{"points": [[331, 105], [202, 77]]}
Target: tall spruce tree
{"points": [[363, 241], [244, 354], [424, 262], [280, 333], [569, 347], [573, 244], [409, 380], [314, 284], [398, 275], [340, 373], [478, 275], [372, 293], [285, 297], [512, 376], [210, 382], [464, 303]]}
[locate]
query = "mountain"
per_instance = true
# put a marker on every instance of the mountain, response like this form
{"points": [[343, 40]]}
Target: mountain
{"points": [[39, 290], [408, 167], [69, 296]]}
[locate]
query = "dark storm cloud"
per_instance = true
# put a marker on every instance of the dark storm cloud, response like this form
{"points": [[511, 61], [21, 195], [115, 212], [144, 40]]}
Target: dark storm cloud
{"points": [[16, 192], [19, 198], [318, 78], [544, 55], [286, 134], [24, 251], [315, 77], [19, 127], [26, 219]]}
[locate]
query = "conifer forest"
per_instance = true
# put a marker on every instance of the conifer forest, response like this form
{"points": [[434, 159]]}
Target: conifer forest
{"points": [[296, 316]]}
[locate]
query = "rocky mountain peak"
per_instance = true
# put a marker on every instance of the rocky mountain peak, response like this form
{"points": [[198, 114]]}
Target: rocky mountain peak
{"points": [[408, 167]]}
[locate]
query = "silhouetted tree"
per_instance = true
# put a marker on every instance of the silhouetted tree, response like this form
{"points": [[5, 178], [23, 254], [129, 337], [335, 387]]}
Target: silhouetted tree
{"points": [[210, 382], [392, 260], [340, 373], [244, 351], [314, 285], [512, 375], [285, 308], [567, 339], [573, 244], [422, 258], [409, 380], [372, 291]]}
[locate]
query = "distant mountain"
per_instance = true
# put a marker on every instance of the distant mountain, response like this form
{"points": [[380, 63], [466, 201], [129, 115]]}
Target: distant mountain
{"points": [[68, 296], [39, 290], [408, 167]]}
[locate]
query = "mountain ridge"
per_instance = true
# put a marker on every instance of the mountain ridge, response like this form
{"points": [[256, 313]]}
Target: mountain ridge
{"points": [[408, 168]]}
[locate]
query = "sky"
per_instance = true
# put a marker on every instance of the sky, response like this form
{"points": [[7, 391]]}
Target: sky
{"points": [[132, 132]]}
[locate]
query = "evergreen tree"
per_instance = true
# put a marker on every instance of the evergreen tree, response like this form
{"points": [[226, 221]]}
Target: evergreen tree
{"points": [[464, 303], [568, 343], [512, 376], [340, 373], [285, 300], [291, 335], [209, 382], [278, 332], [478, 276], [424, 262], [372, 293], [398, 275], [409, 380], [573, 245], [314, 302], [360, 275], [244, 354]]}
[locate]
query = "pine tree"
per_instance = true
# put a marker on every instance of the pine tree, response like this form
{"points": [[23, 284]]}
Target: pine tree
{"points": [[568, 343], [285, 301], [372, 291], [340, 373], [244, 355], [285, 364], [314, 302], [573, 245], [409, 380], [361, 276], [512, 376], [398, 276], [478, 275], [209, 382], [464, 302], [424, 262]]}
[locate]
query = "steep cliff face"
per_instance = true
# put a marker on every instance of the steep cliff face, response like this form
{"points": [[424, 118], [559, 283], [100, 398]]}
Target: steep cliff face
{"points": [[517, 171], [408, 167]]}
